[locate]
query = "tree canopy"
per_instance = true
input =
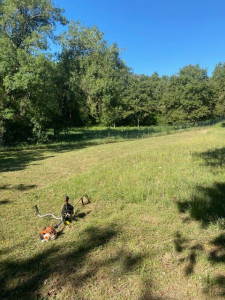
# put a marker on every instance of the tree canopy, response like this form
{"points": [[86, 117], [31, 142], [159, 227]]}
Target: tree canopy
{"points": [[87, 82]]}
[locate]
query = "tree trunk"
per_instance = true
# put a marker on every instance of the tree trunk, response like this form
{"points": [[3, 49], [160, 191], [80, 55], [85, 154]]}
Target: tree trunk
{"points": [[1, 136]]}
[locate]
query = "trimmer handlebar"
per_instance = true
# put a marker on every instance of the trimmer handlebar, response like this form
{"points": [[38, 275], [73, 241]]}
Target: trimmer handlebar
{"points": [[46, 215], [36, 210]]}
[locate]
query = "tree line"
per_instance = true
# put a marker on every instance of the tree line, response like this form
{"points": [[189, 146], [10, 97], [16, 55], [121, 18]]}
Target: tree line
{"points": [[86, 82]]}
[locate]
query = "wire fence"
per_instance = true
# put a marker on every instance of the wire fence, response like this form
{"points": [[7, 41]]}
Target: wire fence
{"points": [[97, 135], [69, 135]]}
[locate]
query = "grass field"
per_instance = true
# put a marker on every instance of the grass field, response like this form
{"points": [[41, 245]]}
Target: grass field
{"points": [[154, 228], [90, 136]]}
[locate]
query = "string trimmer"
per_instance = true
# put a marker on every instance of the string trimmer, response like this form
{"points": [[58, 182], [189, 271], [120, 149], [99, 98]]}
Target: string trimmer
{"points": [[67, 213]]}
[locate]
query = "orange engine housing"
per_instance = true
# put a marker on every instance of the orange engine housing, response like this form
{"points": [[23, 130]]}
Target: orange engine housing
{"points": [[48, 233]]}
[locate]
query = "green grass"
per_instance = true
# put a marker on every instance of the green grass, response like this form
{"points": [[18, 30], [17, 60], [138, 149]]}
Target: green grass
{"points": [[153, 230], [90, 136]]}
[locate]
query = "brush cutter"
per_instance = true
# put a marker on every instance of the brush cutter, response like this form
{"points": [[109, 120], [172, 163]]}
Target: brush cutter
{"points": [[67, 213]]}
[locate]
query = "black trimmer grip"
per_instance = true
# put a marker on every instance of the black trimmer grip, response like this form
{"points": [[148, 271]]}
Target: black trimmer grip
{"points": [[36, 209], [57, 225]]}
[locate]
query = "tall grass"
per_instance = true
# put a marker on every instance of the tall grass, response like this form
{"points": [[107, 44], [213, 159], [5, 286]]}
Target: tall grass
{"points": [[79, 137], [153, 229]]}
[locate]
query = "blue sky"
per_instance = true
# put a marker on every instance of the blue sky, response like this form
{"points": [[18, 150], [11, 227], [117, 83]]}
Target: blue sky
{"points": [[159, 35]]}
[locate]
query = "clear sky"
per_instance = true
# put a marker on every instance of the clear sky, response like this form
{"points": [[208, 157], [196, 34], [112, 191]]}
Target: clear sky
{"points": [[157, 35]]}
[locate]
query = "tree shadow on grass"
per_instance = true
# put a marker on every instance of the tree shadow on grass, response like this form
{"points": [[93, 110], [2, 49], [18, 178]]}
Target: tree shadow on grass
{"points": [[147, 293], [191, 250], [19, 187], [214, 158], [117, 133], [74, 140], [216, 285], [29, 275], [46, 274], [18, 160], [207, 205], [179, 242], [217, 254], [5, 201]]}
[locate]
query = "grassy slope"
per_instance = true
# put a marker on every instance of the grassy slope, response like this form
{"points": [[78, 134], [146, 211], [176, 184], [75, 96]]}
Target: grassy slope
{"points": [[153, 229]]}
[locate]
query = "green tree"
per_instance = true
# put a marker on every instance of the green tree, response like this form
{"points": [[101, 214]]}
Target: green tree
{"points": [[218, 82], [25, 29], [93, 74], [141, 100], [188, 96]]}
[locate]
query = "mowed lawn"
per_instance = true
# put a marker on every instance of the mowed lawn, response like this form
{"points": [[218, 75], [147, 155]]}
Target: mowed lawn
{"points": [[154, 228]]}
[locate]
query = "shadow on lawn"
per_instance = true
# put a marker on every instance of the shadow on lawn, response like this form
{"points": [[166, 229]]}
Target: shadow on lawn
{"points": [[216, 285], [117, 133], [207, 205], [46, 274], [214, 158], [147, 292], [75, 140], [19, 187], [191, 250], [18, 160], [5, 201]]}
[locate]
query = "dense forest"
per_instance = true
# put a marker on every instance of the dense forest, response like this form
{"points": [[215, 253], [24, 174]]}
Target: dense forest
{"points": [[86, 82]]}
